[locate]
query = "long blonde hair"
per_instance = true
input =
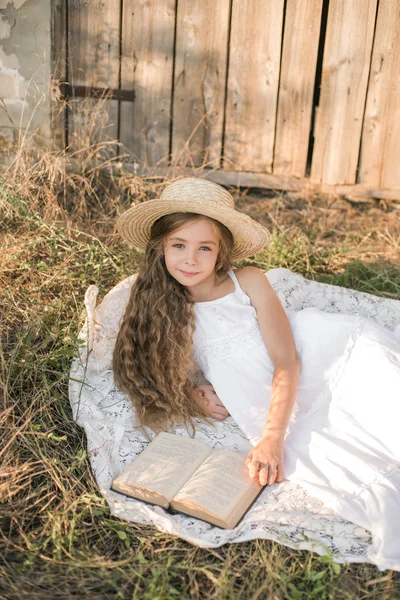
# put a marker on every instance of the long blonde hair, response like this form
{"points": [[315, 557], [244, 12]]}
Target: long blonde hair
{"points": [[152, 360]]}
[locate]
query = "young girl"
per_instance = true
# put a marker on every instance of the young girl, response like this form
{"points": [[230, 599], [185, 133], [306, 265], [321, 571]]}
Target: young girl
{"points": [[191, 319]]}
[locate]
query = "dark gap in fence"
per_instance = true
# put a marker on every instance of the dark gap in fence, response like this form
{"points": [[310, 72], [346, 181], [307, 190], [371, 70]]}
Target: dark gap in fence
{"points": [[221, 160], [121, 8], [172, 86], [66, 120], [279, 82], [317, 83], [366, 96]]}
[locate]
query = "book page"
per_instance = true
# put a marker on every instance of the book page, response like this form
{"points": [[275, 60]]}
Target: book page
{"points": [[164, 466], [218, 485]]}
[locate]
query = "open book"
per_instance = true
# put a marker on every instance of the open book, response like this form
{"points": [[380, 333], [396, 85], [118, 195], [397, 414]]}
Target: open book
{"points": [[188, 476]]}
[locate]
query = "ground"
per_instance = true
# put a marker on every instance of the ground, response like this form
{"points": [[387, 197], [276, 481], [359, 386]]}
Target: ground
{"points": [[57, 538]]}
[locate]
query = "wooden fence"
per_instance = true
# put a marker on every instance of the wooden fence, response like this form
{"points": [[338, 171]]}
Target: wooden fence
{"points": [[283, 93]]}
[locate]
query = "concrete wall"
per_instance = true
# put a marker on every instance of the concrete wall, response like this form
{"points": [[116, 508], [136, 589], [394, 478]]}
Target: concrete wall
{"points": [[25, 63]]}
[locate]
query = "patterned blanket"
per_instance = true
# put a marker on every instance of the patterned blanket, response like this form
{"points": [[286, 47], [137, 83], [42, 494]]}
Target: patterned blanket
{"points": [[284, 512]]}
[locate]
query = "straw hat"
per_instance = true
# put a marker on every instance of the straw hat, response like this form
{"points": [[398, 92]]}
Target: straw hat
{"points": [[198, 196]]}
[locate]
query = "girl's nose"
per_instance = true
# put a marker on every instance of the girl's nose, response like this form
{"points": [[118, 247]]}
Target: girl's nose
{"points": [[190, 258]]}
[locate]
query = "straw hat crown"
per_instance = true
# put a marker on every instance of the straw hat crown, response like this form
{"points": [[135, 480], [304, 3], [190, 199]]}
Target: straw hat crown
{"points": [[192, 195], [201, 191]]}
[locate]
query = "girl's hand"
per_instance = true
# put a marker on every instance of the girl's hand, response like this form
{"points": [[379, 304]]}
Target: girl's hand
{"points": [[206, 397], [265, 462]]}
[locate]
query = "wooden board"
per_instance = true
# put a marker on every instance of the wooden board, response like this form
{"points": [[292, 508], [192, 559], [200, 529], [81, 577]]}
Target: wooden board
{"points": [[296, 88], [346, 62], [146, 67], [264, 180], [379, 165], [58, 73], [93, 60], [199, 83], [254, 64]]}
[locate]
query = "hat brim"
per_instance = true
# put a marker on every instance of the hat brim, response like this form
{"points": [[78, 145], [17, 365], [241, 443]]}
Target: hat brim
{"points": [[249, 236]]}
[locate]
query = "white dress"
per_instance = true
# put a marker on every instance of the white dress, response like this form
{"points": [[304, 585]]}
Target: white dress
{"points": [[343, 440]]}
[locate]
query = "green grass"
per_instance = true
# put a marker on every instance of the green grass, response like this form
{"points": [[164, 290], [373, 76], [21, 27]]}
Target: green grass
{"points": [[57, 537]]}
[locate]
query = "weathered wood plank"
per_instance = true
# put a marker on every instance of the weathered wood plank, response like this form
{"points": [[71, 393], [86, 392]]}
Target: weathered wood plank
{"points": [[379, 165], [296, 88], [58, 73], [146, 67], [245, 180], [254, 63], [345, 71], [199, 86], [234, 178], [267, 181], [93, 46]]}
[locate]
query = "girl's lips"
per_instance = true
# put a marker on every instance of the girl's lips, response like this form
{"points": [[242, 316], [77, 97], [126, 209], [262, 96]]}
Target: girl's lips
{"points": [[186, 274]]}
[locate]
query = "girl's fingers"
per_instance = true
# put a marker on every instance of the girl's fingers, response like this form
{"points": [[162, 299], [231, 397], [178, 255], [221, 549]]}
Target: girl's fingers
{"points": [[272, 475], [280, 473], [268, 474], [263, 475], [218, 409], [253, 468], [220, 415], [217, 415]]}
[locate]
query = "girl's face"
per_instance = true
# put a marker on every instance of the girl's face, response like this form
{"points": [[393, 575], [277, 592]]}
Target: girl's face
{"points": [[191, 252]]}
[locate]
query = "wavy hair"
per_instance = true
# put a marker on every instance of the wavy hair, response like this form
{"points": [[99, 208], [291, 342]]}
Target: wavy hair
{"points": [[152, 357]]}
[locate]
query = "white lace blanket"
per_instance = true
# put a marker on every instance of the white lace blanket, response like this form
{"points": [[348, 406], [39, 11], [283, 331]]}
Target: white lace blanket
{"points": [[284, 512]]}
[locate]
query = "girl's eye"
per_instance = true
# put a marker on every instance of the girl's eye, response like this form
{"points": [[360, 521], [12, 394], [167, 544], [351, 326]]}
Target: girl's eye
{"points": [[179, 246]]}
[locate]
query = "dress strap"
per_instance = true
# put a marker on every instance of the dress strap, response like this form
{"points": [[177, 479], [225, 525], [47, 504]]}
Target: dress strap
{"points": [[238, 290], [232, 275]]}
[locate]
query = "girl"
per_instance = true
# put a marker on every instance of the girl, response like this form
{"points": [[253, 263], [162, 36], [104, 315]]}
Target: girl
{"points": [[189, 311]]}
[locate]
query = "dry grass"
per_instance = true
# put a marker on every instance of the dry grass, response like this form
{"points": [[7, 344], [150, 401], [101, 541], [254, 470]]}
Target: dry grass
{"points": [[57, 538]]}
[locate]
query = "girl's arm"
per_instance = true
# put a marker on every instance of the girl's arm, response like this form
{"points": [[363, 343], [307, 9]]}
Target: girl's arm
{"points": [[265, 461]]}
